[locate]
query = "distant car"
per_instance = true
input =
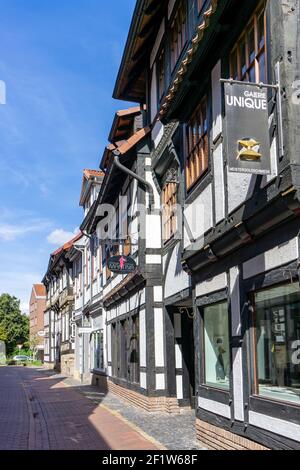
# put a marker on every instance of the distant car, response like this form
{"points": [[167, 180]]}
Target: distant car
{"points": [[22, 358]]}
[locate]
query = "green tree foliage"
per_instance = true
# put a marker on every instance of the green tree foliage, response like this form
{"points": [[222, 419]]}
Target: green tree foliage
{"points": [[13, 323], [3, 335]]}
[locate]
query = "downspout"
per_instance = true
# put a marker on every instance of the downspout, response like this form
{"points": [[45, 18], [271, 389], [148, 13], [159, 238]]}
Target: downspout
{"points": [[135, 176]]}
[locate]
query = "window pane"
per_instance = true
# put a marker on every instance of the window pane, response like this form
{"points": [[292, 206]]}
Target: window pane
{"points": [[243, 57], [262, 67], [252, 77], [261, 31], [251, 46], [278, 342], [216, 345]]}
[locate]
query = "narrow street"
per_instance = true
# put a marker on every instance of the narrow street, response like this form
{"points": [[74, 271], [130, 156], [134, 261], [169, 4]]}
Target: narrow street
{"points": [[38, 412]]}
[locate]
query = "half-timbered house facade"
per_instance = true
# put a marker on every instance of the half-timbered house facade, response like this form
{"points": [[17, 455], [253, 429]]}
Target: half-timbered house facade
{"points": [[226, 316]]}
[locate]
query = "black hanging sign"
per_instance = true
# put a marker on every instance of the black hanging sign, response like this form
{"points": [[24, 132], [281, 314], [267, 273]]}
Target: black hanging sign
{"points": [[121, 264], [247, 128]]}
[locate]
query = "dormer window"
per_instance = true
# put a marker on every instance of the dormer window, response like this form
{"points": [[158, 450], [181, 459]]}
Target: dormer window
{"points": [[178, 33]]}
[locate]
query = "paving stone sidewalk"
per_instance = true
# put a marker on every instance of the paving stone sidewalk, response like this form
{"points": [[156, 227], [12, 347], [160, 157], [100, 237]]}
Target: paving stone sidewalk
{"points": [[174, 432], [38, 412]]}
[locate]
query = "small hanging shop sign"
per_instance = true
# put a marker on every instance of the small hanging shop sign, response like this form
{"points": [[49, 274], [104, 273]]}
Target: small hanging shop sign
{"points": [[247, 128], [121, 264]]}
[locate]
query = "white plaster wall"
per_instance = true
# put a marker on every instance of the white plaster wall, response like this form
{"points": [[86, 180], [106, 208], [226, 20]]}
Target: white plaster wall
{"points": [[153, 99], [143, 343], [160, 381], [157, 133], [216, 100], [214, 407], [198, 215], [211, 285], [176, 278], [153, 231], [275, 425], [240, 188], [219, 185], [143, 380], [159, 337], [278, 256]]}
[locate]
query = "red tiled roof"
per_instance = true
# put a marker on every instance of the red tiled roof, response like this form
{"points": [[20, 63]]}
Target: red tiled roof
{"points": [[40, 290], [133, 140], [92, 173], [67, 245]]}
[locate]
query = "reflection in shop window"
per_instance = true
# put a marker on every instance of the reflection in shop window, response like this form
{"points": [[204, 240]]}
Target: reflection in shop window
{"points": [[98, 350], [216, 346], [277, 333]]}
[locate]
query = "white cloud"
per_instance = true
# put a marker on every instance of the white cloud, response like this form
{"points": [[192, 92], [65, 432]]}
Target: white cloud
{"points": [[10, 232], [59, 236]]}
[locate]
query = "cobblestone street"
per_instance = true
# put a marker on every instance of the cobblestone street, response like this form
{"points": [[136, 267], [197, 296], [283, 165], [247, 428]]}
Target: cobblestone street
{"points": [[39, 412]]}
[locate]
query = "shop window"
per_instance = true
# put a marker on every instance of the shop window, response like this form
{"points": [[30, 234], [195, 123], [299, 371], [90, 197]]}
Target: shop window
{"points": [[216, 346], [197, 145], [124, 349], [169, 201], [98, 350], [248, 58], [114, 350], [277, 343], [178, 33], [200, 4], [134, 356]]}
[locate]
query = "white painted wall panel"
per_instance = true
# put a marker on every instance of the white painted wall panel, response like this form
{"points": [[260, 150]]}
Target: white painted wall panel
{"points": [[219, 186], [143, 380], [157, 133], [176, 278], [216, 100], [214, 407], [153, 101], [160, 381], [198, 215], [280, 255], [234, 276], [240, 188], [238, 384], [158, 293], [278, 426], [211, 285], [143, 343], [159, 337], [179, 387], [153, 231]]}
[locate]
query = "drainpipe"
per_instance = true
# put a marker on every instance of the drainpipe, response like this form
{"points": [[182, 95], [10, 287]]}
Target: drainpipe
{"points": [[135, 176]]}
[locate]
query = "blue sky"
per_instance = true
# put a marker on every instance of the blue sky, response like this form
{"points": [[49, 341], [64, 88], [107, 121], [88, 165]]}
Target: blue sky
{"points": [[59, 60]]}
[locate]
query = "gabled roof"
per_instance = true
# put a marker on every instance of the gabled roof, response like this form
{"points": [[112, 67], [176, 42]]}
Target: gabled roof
{"points": [[122, 124], [39, 290], [56, 255], [123, 147], [89, 177], [131, 81]]}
